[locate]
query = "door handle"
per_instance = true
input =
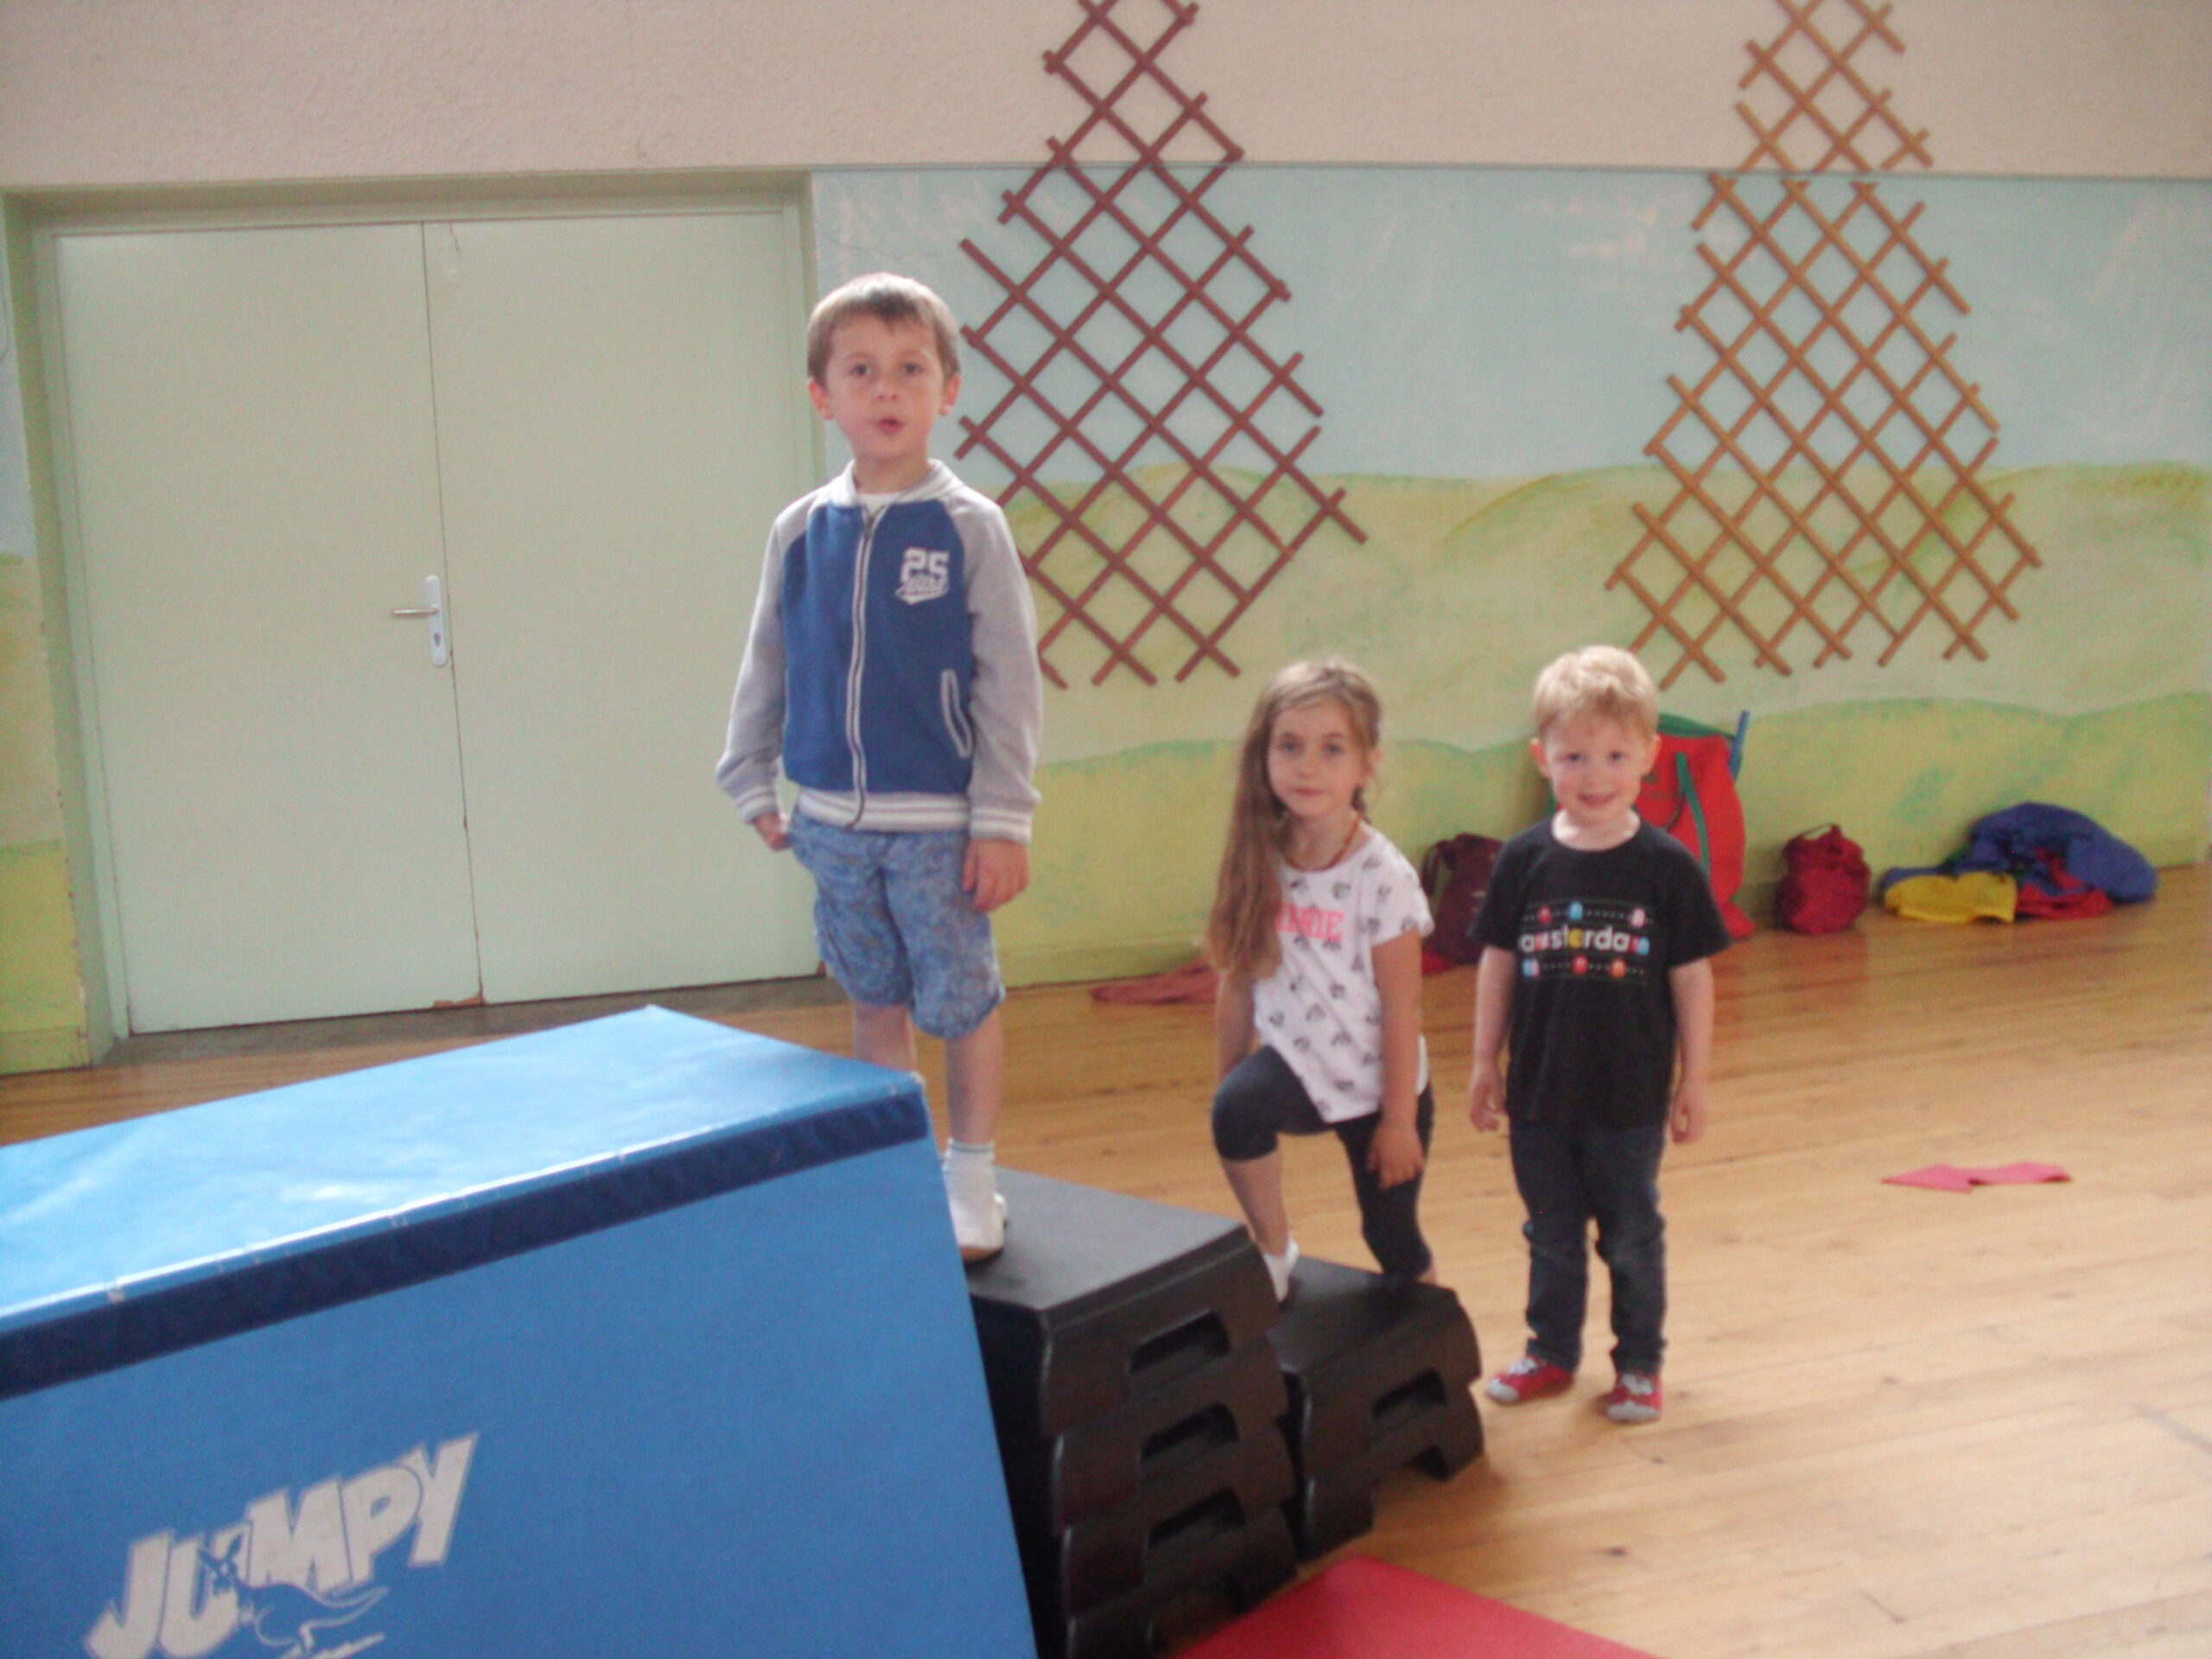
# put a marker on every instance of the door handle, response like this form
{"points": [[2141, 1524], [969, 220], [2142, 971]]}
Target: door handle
{"points": [[433, 608]]}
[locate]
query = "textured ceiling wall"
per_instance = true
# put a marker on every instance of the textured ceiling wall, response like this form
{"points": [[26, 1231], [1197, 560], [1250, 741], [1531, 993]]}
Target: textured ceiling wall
{"points": [[97, 92]]}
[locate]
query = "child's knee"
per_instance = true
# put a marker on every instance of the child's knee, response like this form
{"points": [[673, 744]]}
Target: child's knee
{"points": [[951, 1005], [1243, 1122], [1639, 1240], [956, 983]]}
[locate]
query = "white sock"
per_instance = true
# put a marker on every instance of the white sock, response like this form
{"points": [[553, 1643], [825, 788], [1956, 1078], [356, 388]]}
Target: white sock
{"points": [[969, 1168], [1279, 1268]]}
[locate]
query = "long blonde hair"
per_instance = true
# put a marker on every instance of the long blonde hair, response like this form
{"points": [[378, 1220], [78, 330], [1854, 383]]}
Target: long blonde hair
{"points": [[1241, 934]]}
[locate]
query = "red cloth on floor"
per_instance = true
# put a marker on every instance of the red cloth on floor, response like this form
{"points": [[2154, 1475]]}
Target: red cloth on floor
{"points": [[1949, 1178], [1192, 984], [2059, 895]]}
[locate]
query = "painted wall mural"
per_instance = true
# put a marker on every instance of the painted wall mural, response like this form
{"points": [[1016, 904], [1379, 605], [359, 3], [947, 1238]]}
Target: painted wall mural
{"points": [[1828, 462], [1129, 352], [1496, 349]]}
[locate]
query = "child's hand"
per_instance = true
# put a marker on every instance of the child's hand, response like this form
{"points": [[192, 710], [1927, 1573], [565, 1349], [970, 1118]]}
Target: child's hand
{"points": [[996, 872], [1395, 1154], [1485, 1089], [770, 827], [1686, 1121]]}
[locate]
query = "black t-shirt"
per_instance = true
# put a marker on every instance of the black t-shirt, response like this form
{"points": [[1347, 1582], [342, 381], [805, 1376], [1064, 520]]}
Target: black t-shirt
{"points": [[1592, 1035]]}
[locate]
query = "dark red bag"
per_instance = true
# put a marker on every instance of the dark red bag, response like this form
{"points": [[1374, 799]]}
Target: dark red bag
{"points": [[1824, 882], [1455, 873]]}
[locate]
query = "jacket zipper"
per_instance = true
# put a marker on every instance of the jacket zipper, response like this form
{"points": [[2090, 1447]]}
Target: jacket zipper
{"points": [[868, 522]]}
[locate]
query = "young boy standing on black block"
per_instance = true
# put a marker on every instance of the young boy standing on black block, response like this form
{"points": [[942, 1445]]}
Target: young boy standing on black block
{"points": [[1597, 935], [891, 667]]}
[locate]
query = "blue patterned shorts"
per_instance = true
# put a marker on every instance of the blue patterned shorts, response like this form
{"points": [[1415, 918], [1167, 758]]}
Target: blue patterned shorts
{"points": [[894, 925]]}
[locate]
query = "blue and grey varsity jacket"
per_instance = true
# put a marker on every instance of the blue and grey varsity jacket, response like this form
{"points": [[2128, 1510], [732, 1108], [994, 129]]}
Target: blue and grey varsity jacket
{"points": [[892, 667]]}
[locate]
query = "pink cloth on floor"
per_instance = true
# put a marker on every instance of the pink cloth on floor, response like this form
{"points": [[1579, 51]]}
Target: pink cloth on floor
{"points": [[1949, 1178], [1192, 984]]}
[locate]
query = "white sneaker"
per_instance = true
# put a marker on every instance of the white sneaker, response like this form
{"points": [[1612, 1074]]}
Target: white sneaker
{"points": [[979, 1229], [1279, 1268]]}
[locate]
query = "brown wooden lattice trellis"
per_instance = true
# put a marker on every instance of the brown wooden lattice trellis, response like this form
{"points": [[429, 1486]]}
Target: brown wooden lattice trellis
{"points": [[1827, 466], [1129, 358]]}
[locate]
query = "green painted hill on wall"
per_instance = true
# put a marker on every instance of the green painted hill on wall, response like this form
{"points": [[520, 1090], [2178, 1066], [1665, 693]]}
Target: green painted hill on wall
{"points": [[2098, 698]]}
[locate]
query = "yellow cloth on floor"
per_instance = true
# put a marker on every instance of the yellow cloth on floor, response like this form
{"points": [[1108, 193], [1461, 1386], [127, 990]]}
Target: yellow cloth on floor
{"points": [[1964, 897]]}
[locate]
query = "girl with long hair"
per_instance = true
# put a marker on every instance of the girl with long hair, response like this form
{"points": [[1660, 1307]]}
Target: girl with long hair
{"points": [[1316, 932]]}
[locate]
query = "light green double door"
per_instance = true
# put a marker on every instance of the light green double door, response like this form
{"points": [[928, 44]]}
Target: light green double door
{"points": [[568, 434]]}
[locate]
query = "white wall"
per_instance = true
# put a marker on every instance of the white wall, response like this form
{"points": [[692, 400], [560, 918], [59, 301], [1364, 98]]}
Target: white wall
{"points": [[100, 93]]}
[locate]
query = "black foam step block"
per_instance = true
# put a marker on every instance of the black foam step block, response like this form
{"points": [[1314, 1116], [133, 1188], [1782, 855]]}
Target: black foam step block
{"points": [[1099, 1299], [1101, 1464], [1363, 1357], [1109, 1554], [1334, 1508], [1242, 1566]]}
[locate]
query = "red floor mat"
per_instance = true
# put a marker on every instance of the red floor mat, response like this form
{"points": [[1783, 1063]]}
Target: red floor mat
{"points": [[1365, 1609]]}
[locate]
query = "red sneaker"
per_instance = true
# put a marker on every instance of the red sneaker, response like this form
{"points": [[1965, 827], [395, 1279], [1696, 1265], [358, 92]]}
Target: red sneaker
{"points": [[1527, 1378], [1634, 1398]]}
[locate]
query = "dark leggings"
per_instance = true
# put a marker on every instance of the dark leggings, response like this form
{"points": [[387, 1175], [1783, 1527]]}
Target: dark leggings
{"points": [[1262, 1098]]}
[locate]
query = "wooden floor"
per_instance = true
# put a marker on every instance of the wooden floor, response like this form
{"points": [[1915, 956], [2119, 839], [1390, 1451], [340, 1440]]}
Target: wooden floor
{"points": [[1901, 1424]]}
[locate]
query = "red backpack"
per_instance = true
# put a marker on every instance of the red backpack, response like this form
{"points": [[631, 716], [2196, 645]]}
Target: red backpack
{"points": [[1691, 794], [1824, 882]]}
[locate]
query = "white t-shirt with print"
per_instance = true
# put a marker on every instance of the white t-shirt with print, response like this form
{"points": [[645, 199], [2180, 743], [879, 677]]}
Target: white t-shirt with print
{"points": [[1321, 1009]]}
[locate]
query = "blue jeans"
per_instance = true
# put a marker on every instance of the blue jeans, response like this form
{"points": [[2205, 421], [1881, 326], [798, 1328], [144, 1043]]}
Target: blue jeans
{"points": [[1570, 1176]]}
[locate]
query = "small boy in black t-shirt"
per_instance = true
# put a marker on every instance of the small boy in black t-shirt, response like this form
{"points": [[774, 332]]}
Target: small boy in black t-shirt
{"points": [[1597, 935]]}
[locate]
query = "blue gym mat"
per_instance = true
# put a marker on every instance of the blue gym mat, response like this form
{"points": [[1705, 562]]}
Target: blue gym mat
{"points": [[635, 1336]]}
